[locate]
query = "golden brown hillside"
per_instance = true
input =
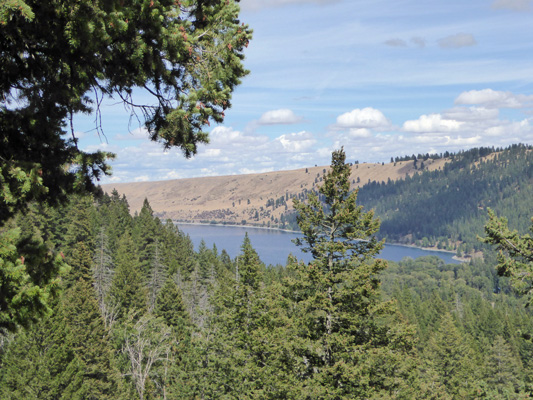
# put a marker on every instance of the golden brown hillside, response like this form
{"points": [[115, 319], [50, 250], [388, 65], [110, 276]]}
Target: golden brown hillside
{"points": [[250, 198]]}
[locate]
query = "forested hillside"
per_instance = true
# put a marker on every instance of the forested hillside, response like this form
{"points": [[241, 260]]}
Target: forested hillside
{"points": [[449, 206], [141, 315]]}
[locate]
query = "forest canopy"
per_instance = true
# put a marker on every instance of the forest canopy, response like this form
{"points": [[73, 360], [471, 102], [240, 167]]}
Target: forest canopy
{"points": [[61, 58]]}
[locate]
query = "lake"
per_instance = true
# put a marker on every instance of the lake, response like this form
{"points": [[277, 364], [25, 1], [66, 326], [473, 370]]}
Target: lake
{"points": [[274, 246]]}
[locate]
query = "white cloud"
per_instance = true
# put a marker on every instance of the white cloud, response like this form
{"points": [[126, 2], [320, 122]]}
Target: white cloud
{"points": [[225, 137], [516, 129], [368, 118], [457, 41], [359, 133], [142, 178], [296, 142], [279, 117], [515, 5], [136, 134], [494, 99], [471, 114], [431, 123], [396, 43]]}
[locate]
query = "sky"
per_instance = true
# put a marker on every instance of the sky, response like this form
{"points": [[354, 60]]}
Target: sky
{"points": [[382, 78]]}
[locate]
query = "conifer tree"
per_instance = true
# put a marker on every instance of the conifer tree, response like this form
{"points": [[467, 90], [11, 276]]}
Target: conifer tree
{"points": [[90, 372], [504, 369], [103, 271], [145, 232], [178, 362], [452, 359], [515, 253], [158, 274], [80, 228], [127, 289], [349, 344]]}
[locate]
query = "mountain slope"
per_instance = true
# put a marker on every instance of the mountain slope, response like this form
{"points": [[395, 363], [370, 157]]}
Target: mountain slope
{"points": [[252, 197]]}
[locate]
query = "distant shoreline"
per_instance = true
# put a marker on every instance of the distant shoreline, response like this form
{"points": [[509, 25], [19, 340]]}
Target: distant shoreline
{"points": [[462, 259]]}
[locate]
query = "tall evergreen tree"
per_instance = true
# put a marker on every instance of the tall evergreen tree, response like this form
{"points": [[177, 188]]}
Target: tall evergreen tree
{"points": [[127, 289], [504, 370], [90, 373], [451, 357], [178, 362], [515, 253], [145, 235], [349, 344]]}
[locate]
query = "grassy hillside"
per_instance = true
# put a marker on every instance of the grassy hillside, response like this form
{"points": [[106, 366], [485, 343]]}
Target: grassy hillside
{"points": [[431, 201], [258, 199]]}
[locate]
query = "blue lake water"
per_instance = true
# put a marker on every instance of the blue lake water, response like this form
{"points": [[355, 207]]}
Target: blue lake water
{"points": [[274, 246]]}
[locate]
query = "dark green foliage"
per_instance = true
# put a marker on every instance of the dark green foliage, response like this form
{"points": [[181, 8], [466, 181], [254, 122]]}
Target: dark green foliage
{"points": [[90, 374], [171, 309], [349, 343], [515, 253], [450, 356], [127, 288], [28, 277], [61, 58], [221, 328]]}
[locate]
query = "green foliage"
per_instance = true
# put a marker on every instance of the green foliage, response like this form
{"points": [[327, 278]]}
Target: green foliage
{"points": [[127, 288], [61, 58], [349, 341], [89, 373], [25, 292], [450, 203], [515, 253]]}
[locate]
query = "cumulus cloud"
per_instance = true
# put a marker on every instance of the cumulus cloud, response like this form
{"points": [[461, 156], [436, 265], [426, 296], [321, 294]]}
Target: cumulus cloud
{"points": [[357, 133], [494, 99], [457, 41], [396, 43], [519, 129], [431, 123], [296, 142], [279, 117], [223, 137], [515, 5], [368, 118]]}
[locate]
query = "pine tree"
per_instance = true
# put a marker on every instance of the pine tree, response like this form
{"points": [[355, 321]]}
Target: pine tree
{"points": [[452, 359], [175, 375], [515, 253], [145, 231], [349, 343], [127, 290], [103, 271], [158, 275], [504, 369], [90, 373]]}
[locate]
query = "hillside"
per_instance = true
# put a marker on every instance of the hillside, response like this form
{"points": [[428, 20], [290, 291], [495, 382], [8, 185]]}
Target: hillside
{"points": [[435, 201], [258, 199]]}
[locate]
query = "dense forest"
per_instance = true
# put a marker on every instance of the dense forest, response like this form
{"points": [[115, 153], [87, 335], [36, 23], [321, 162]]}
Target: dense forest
{"points": [[447, 208], [137, 313]]}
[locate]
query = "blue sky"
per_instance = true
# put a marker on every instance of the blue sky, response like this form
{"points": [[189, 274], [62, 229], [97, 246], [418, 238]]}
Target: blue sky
{"points": [[383, 78]]}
